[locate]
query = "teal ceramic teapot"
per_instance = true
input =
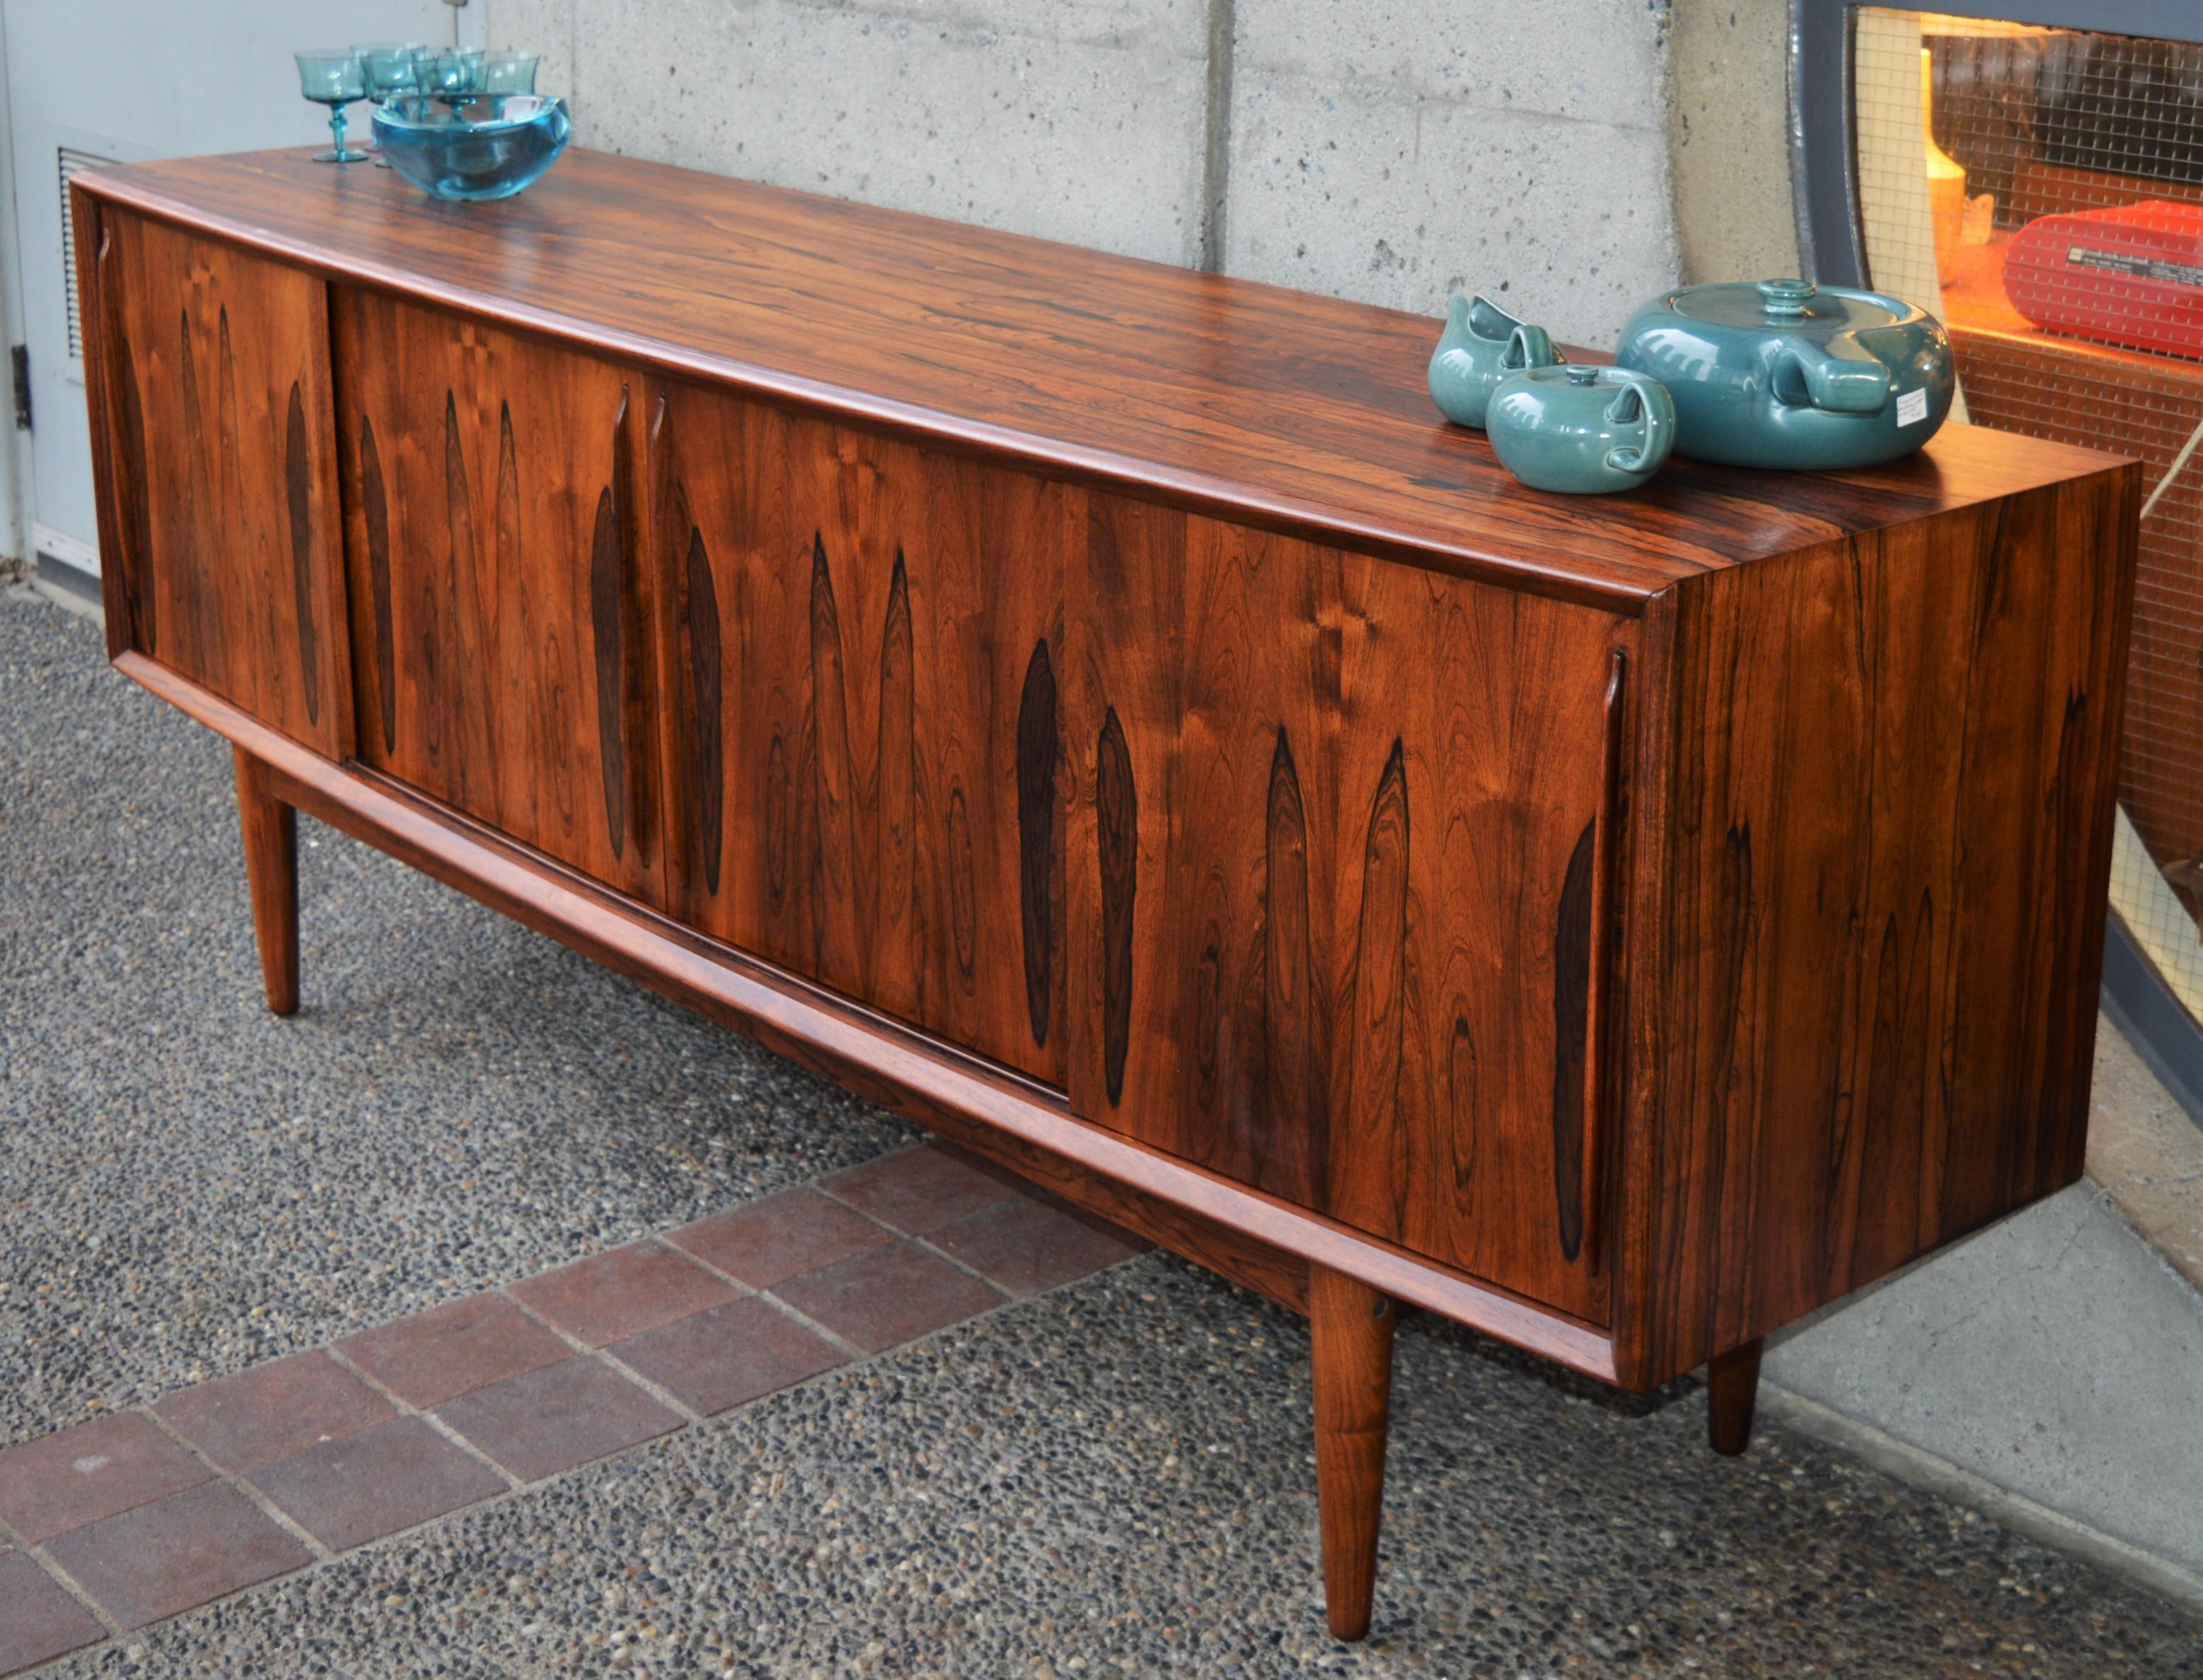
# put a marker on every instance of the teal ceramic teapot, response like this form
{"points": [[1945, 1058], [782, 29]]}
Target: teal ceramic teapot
{"points": [[1481, 346], [1786, 374], [1582, 429]]}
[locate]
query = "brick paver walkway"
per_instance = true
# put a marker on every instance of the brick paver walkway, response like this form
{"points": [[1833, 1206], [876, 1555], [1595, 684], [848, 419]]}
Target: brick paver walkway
{"points": [[131, 1518]]}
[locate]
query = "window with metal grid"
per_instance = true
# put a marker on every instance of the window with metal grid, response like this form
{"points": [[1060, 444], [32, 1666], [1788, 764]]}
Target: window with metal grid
{"points": [[2041, 191]]}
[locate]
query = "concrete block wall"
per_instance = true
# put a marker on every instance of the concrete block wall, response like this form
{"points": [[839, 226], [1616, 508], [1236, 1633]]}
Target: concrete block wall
{"points": [[1389, 151], [1075, 120], [1395, 151]]}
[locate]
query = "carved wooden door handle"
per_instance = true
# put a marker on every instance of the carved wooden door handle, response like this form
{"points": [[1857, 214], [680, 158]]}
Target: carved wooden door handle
{"points": [[691, 692], [619, 644], [1599, 994]]}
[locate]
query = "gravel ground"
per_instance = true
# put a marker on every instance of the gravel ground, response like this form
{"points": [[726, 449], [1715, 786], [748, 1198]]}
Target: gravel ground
{"points": [[190, 1185], [1111, 1480]]}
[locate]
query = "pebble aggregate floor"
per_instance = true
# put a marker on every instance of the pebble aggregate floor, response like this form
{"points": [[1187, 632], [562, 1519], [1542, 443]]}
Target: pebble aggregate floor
{"points": [[1114, 1478]]}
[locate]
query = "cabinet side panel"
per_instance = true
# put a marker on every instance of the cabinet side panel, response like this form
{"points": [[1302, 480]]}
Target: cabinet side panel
{"points": [[1887, 834], [118, 585], [1331, 884], [209, 373]]}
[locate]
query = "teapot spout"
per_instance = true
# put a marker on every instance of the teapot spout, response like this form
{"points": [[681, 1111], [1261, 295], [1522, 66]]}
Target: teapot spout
{"points": [[1486, 320], [1482, 343]]}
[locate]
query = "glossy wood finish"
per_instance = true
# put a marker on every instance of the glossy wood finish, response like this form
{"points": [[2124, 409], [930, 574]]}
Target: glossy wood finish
{"points": [[1096, 712], [1265, 407], [270, 829], [1870, 899], [1350, 1337], [862, 641], [208, 372], [1732, 1396], [1337, 820], [1264, 1243], [504, 624]]}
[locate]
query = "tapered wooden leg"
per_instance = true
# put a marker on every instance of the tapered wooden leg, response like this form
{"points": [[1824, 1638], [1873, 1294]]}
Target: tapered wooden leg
{"points": [[271, 871], [1352, 1335], [1732, 1392]]}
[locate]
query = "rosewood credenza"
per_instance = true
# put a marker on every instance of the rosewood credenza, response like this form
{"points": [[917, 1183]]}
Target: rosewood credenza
{"points": [[1100, 711]]}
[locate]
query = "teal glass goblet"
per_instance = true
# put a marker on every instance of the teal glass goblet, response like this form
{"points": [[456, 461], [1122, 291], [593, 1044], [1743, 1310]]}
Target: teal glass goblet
{"points": [[451, 74], [390, 68], [333, 78], [508, 73]]}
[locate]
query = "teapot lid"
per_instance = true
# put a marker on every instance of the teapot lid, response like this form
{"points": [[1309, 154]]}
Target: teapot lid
{"points": [[1789, 305]]}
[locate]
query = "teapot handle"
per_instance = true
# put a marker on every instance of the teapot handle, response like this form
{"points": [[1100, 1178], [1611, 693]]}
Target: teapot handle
{"points": [[1659, 410], [1528, 346], [1838, 377]]}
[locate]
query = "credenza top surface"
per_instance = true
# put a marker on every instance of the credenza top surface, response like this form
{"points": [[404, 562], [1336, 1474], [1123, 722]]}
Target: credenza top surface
{"points": [[1280, 408]]}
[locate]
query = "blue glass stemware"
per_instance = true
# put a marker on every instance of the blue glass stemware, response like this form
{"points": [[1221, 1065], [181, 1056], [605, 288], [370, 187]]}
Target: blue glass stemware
{"points": [[333, 78], [451, 75], [390, 68], [508, 73]]}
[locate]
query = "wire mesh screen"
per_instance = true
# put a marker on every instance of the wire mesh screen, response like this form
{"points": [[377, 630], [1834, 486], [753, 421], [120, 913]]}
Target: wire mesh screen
{"points": [[2041, 191]]}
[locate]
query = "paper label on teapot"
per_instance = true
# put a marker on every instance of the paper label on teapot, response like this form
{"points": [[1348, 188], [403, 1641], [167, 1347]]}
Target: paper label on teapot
{"points": [[1913, 407]]}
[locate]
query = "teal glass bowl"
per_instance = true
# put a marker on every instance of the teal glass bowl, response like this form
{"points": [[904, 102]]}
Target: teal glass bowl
{"points": [[486, 147]]}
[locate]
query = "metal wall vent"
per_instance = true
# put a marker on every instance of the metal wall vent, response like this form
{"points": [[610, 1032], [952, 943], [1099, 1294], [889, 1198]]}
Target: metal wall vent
{"points": [[71, 160]]}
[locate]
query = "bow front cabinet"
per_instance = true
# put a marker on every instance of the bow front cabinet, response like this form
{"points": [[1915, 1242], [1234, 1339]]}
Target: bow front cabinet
{"points": [[1098, 711]]}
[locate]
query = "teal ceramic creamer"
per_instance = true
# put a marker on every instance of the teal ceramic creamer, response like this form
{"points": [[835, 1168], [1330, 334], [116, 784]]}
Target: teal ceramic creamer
{"points": [[1482, 343], [1786, 374], [1581, 429]]}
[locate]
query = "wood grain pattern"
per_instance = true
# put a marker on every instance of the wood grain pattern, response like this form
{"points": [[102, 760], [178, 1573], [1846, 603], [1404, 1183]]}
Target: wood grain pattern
{"points": [[218, 506], [609, 656], [1572, 966], [1329, 811], [1312, 862], [1098, 712], [270, 832], [707, 707], [117, 433], [883, 702], [1117, 837], [1895, 754], [880, 1060], [298, 468], [1351, 1335], [1290, 1152], [1601, 1048], [1266, 407], [506, 654], [374, 518], [1039, 778]]}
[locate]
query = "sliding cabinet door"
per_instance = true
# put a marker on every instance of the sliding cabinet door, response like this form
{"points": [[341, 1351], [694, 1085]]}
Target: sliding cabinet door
{"points": [[865, 770], [210, 388], [500, 610], [1334, 859]]}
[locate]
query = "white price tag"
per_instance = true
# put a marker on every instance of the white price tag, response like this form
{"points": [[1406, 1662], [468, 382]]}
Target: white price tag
{"points": [[1912, 408]]}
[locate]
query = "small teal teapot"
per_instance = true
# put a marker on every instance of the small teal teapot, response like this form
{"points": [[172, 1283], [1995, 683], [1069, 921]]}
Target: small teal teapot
{"points": [[1581, 429], [1481, 346]]}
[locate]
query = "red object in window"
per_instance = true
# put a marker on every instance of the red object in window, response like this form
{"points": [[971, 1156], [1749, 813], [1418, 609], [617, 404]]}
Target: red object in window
{"points": [[2132, 276]]}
